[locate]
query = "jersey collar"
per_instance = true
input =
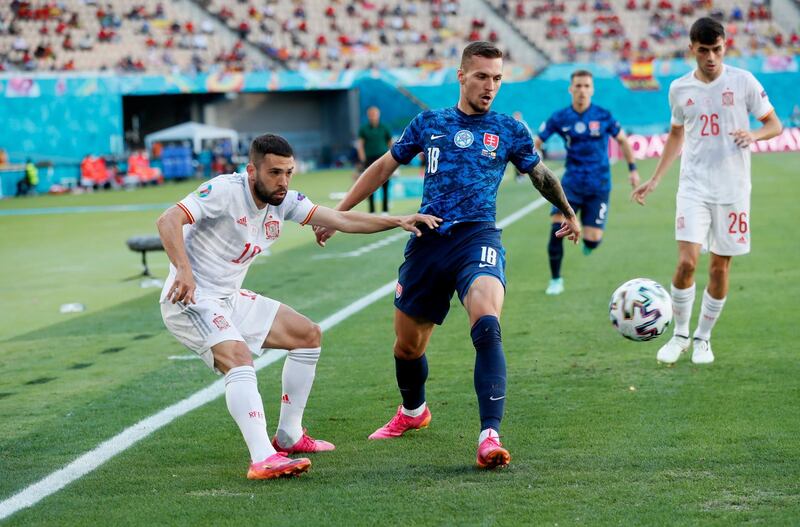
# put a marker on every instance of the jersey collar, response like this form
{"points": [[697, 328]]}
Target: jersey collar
{"points": [[712, 83], [252, 208], [474, 116]]}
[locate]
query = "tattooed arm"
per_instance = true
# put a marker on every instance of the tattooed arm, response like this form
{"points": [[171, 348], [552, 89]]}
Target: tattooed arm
{"points": [[549, 187]]}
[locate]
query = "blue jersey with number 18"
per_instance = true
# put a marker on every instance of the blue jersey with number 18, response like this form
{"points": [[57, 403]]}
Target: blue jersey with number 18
{"points": [[466, 157]]}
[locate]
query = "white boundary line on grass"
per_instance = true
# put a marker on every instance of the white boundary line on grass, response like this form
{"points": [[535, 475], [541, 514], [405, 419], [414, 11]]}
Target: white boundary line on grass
{"points": [[91, 460]]}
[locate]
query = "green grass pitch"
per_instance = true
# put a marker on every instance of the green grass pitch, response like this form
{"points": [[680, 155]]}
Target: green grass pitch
{"points": [[599, 433]]}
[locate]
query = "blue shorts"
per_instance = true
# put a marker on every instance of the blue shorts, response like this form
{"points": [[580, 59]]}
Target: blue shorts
{"points": [[593, 208], [437, 265]]}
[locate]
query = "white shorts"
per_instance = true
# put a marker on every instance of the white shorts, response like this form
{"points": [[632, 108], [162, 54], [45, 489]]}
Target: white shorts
{"points": [[245, 316], [723, 229]]}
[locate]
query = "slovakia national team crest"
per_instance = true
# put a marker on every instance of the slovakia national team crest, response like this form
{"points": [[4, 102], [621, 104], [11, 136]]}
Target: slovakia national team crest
{"points": [[594, 127], [491, 141], [398, 291], [727, 98], [463, 139], [272, 229]]}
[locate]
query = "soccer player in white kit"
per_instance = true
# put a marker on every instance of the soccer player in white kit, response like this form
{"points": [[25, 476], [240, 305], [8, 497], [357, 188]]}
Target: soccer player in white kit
{"points": [[711, 108], [211, 237]]}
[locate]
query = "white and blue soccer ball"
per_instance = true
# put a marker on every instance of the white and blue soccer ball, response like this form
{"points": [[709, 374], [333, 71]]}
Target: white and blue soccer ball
{"points": [[640, 309]]}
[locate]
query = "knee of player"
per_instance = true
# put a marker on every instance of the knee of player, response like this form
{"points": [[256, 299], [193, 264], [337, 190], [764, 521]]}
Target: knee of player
{"points": [[313, 337], [686, 266], [718, 270], [405, 351]]}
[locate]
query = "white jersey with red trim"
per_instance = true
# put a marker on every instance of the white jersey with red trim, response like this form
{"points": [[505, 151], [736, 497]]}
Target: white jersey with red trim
{"points": [[713, 168], [227, 231]]}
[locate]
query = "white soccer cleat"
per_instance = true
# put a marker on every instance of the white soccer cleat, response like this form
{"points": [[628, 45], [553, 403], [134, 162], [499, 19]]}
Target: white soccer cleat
{"points": [[701, 352], [555, 287], [671, 351]]}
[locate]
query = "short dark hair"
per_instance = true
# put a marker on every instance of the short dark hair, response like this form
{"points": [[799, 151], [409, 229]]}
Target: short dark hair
{"points": [[580, 73], [269, 144], [480, 48], [706, 31]]}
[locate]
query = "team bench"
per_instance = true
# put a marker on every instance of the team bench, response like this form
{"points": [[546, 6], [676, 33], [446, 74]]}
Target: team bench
{"points": [[143, 244]]}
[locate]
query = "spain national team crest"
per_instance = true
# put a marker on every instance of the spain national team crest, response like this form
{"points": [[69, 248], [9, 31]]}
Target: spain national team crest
{"points": [[491, 141], [272, 229], [727, 98], [463, 139], [220, 322], [398, 290]]}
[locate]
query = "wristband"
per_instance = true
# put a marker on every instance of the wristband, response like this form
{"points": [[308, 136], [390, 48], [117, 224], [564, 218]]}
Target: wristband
{"points": [[631, 167]]}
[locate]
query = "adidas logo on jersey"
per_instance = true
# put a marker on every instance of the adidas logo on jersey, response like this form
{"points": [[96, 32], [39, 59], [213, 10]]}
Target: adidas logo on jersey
{"points": [[242, 221], [742, 239], [690, 102]]}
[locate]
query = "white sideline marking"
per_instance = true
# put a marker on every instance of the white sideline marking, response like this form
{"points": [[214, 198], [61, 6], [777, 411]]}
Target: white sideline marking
{"points": [[184, 357], [365, 249], [89, 461]]}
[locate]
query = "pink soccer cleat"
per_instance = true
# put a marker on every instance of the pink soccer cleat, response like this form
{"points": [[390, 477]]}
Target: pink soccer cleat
{"points": [[278, 465], [401, 423], [491, 454], [306, 445]]}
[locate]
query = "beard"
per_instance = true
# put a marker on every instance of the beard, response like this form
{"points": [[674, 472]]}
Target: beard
{"points": [[477, 106], [268, 197]]}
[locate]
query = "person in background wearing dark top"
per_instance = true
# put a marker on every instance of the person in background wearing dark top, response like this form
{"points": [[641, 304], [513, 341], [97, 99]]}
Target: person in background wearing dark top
{"points": [[374, 140]]}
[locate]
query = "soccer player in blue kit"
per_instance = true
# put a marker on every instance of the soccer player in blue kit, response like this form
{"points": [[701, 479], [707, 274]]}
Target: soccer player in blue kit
{"points": [[585, 128], [466, 148]]}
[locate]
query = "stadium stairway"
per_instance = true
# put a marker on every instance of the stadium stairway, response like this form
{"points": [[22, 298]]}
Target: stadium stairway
{"points": [[522, 51], [196, 11], [786, 13]]}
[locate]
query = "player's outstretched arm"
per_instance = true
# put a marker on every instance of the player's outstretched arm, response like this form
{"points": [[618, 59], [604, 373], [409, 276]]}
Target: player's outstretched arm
{"points": [[369, 181], [672, 149], [360, 222], [549, 187], [170, 228], [627, 152]]}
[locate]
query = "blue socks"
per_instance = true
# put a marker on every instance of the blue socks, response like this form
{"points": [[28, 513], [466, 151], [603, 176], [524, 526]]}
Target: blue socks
{"points": [[490, 371], [589, 246], [411, 377], [555, 250]]}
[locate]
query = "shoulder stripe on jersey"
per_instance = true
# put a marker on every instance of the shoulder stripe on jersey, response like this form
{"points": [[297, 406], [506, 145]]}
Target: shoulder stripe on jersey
{"points": [[186, 211], [310, 213], [764, 117]]}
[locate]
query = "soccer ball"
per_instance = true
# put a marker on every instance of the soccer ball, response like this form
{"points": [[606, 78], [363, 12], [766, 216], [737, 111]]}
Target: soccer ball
{"points": [[640, 309]]}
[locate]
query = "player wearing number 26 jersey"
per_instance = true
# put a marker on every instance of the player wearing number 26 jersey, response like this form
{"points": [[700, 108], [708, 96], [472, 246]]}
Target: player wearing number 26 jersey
{"points": [[711, 109]]}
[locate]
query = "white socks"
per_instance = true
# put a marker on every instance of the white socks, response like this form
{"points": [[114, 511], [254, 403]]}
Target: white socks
{"points": [[246, 408], [298, 376], [415, 412], [489, 432], [682, 302], [709, 314]]}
